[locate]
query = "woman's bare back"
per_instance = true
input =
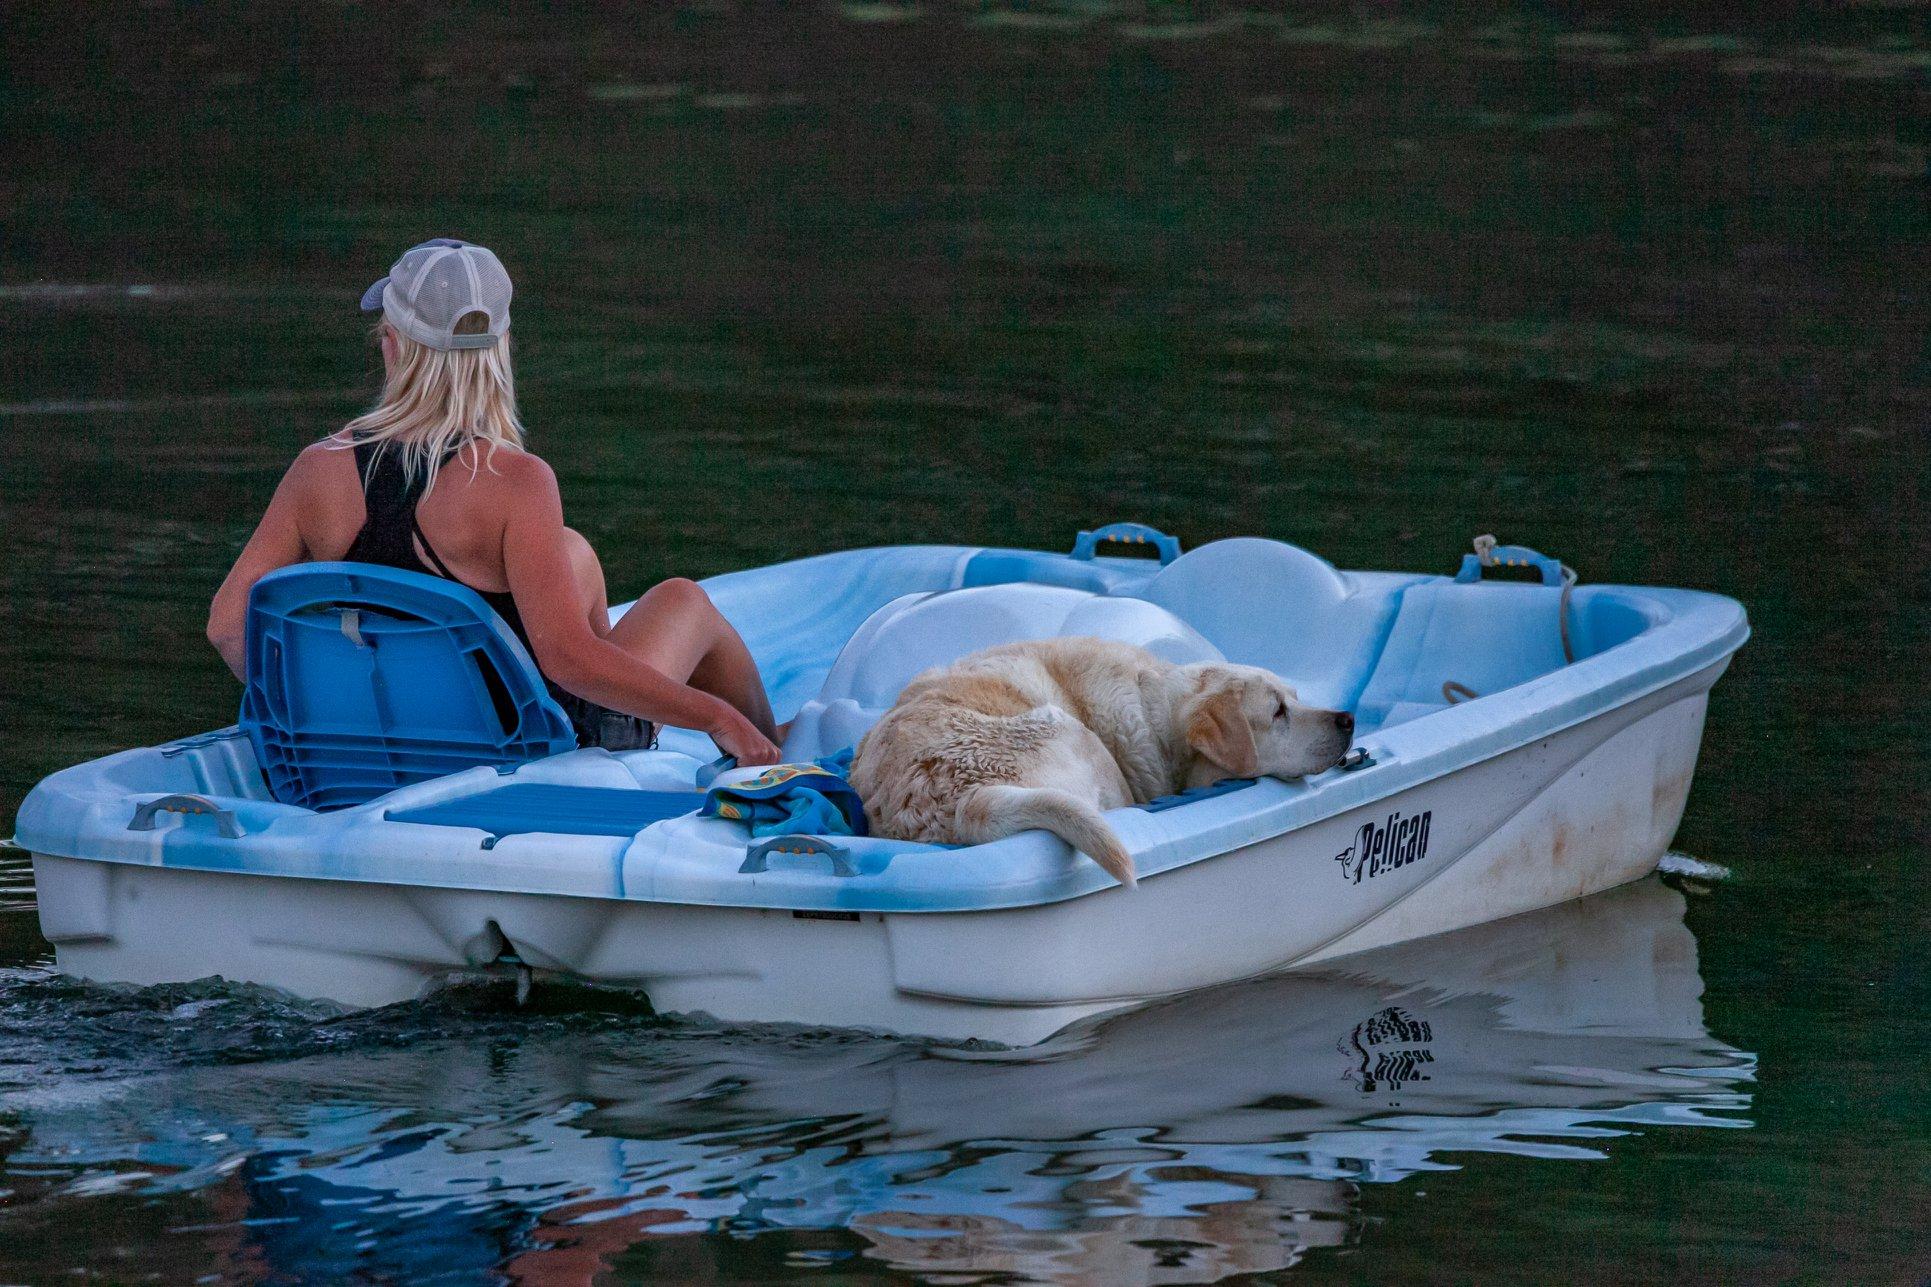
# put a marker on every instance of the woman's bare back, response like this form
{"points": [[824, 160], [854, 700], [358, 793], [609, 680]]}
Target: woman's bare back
{"points": [[463, 516]]}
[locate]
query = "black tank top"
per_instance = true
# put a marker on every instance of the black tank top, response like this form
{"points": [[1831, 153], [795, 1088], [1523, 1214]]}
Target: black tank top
{"points": [[390, 535], [390, 532]]}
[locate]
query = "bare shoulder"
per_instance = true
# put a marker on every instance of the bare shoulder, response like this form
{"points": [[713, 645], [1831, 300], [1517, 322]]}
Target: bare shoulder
{"points": [[521, 469], [319, 469], [515, 480], [329, 456]]}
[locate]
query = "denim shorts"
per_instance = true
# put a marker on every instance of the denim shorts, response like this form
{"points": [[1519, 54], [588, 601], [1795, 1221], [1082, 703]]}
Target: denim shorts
{"points": [[600, 726]]}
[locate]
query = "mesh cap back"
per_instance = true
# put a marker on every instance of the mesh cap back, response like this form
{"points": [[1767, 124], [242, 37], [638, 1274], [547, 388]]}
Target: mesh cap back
{"points": [[435, 285]]}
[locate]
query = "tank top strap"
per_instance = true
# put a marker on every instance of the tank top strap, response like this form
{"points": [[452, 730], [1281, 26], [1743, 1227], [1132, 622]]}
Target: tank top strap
{"points": [[392, 535], [389, 506], [415, 530]]}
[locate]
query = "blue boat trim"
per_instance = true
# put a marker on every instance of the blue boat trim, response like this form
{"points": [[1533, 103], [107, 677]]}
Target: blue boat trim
{"points": [[1193, 794], [1392, 638], [525, 807]]}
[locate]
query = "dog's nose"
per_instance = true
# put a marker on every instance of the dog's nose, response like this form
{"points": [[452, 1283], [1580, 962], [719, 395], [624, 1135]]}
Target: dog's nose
{"points": [[1344, 720]]}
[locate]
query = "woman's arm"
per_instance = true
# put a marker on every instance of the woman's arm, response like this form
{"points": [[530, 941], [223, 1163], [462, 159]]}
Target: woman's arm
{"points": [[536, 559], [277, 542]]}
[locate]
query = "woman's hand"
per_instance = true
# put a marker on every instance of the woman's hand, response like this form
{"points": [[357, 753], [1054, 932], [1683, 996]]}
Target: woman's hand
{"points": [[736, 735]]}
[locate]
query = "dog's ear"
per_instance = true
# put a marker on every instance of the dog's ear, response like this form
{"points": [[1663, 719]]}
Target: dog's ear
{"points": [[1218, 730]]}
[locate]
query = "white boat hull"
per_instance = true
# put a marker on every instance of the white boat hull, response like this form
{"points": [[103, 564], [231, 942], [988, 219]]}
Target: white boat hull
{"points": [[1584, 809]]}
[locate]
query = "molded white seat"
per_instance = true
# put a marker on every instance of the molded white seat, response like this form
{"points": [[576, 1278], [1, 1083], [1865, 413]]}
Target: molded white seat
{"points": [[916, 632], [1483, 637], [1266, 603]]}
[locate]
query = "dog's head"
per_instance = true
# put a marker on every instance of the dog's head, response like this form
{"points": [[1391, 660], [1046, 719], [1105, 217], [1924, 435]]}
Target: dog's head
{"points": [[1248, 723]]}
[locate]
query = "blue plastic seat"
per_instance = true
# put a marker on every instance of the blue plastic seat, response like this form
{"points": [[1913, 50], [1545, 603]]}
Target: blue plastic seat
{"points": [[362, 679]]}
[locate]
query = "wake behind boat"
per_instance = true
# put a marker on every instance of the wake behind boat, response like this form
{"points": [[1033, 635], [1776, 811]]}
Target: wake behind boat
{"points": [[402, 800]]}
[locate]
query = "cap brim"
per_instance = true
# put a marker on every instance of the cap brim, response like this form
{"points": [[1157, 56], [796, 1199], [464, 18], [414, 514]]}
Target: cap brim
{"points": [[372, 297]]}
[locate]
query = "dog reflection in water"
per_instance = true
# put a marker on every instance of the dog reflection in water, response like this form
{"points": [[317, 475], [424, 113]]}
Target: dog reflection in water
{"points": [[1238, 1224], [1263, 1223]]}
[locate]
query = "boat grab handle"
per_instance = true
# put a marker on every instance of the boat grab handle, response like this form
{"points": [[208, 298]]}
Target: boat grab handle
{"points": [[757, 855], [225, 820], [1490, 555], [1088, 543]]}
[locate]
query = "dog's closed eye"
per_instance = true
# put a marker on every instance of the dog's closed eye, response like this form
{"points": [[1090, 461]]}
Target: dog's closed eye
{"points": [[1280, 712]]}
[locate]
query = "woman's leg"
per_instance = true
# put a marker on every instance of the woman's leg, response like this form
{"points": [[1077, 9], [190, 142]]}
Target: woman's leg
{"points": [[677, 629]]}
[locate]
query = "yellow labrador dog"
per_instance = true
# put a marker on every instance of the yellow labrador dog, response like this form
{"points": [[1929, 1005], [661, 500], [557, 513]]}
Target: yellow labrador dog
{"points": [[1050, 732]]}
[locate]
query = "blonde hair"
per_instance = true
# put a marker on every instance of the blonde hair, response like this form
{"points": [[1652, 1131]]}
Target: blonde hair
{"points": [[436, 402]]}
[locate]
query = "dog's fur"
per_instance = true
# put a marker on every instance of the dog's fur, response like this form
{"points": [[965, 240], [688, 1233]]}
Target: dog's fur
{"points": [[1051, 732]]}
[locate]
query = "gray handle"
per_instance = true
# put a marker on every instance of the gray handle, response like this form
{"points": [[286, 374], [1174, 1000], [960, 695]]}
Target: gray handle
{"points": [[225, 819], [756, 857]]}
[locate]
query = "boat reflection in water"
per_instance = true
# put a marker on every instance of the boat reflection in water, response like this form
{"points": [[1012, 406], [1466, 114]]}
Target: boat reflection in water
{"points": [[1218, 1133]]}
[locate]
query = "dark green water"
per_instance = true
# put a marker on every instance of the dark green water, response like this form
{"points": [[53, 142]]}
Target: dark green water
{"points": [[1642, 288]]}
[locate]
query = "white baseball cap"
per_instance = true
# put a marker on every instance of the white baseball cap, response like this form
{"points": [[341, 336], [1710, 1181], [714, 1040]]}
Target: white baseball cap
{"points": [[435, 285]]}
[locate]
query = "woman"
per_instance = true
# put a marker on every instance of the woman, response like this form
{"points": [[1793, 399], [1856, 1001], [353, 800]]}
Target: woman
{"points": [[436, 479]]}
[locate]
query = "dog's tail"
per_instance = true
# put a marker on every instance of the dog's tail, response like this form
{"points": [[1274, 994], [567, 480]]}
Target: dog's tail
{"points": [[997, 810]]}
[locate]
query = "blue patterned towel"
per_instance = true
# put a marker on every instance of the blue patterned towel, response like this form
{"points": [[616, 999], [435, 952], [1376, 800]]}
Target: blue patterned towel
{"points": [[793, 800]]}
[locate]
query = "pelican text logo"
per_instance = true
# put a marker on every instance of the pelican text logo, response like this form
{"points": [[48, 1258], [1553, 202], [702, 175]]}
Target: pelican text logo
{"points": [[1385, 846], [1388, 1050]]}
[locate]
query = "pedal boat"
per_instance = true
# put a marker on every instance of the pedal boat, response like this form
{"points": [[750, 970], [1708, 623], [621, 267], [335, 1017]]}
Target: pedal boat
{"points": [[402, 802]]}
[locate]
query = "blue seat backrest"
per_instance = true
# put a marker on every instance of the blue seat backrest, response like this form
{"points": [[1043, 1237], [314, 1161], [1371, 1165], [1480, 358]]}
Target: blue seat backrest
{"points": [[362, 679]]}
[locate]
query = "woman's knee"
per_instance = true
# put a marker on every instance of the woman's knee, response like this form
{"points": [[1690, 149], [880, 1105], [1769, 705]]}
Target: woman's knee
{"points": [[682, 596], [673, 626]]}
